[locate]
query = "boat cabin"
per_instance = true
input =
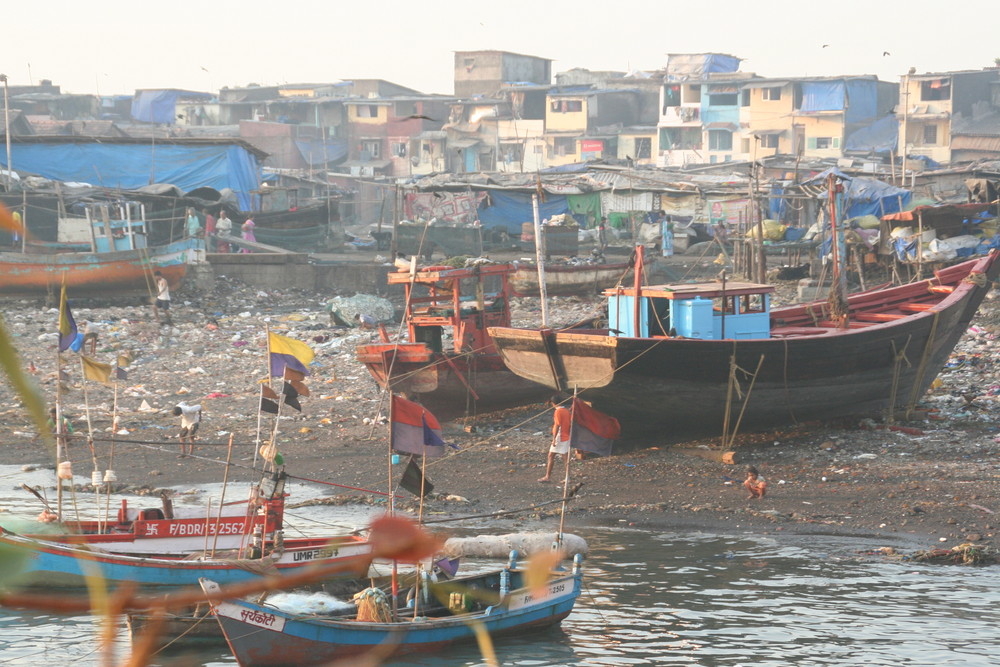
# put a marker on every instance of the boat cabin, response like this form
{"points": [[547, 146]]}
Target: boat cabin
{"points": [[435, 303], [705, 311], [106, 227]]}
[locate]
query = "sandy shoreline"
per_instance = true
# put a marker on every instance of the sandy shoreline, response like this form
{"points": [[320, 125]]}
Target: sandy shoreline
{"points": [[938, 485]]}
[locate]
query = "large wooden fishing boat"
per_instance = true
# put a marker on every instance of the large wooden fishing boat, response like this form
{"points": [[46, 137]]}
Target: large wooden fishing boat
{"points": [[108, 253], [685, 358], [465, 373], [567, 280]]}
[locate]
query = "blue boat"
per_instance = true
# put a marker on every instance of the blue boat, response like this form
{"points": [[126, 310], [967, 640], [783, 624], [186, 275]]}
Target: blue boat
{"points": [[499, 602], [51, 564]]}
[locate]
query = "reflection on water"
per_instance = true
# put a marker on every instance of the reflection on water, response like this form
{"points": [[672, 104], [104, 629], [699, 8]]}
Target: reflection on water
{"points": [[692, 599]]}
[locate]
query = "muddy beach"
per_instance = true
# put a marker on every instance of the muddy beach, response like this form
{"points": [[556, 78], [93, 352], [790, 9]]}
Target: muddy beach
{"points": [[931, 483]]}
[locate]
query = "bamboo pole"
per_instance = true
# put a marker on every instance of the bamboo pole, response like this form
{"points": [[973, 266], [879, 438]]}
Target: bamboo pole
{"points": [[540, 261], [569, 454], [222, 500]]}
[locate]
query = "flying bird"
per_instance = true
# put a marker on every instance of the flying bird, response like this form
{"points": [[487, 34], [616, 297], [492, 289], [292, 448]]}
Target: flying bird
{"points": [[825, 46], [886, 53], [419, 117], [202, 68]]}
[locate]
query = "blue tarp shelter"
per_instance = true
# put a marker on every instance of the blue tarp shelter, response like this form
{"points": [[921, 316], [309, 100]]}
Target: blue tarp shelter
{"points": [[317, 152], [133, 165], [866, 196], [508, 210], [160, 106], [879, 137]]}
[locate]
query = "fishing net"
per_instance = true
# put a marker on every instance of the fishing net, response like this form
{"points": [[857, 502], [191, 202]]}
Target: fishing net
{"points": [[373, 606]]}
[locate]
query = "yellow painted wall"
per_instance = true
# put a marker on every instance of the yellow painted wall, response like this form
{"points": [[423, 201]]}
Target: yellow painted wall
{"points": [[568, 121], [770, 115], [381, 118], [831, 127]]}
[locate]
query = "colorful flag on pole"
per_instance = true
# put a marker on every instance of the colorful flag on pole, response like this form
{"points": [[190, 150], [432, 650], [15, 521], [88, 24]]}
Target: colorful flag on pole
{"points": [[415, 430], [593, 431], [121, 374], [67, 325], [288, 353], [411, 479], [95, 370], [269, 406], [291, 396]]}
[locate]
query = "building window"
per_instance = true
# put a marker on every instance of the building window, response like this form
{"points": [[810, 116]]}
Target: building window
{"points": [[367, 110], [935, 90], [769, 141], [403, 109], [771, 93], [399, 148], [930, 135], [564, 145], [822, 143], [723, 99], [720, 140], [680, 138], [512, 152], [566, 106], [538, 149], [643, 147], [371, 149], [745, 98], [744, 145], [671, 97]]}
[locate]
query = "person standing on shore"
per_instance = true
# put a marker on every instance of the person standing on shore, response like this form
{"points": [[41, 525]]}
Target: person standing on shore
{"points": [[755, 484], [162, 298], [193, 224], [248, 234], [190, 419], [561, 429], [209, 230], [223, 229]]}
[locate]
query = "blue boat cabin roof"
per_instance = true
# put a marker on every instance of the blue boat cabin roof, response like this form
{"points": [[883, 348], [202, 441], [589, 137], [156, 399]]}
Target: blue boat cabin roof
{"points": [[681, 291]]}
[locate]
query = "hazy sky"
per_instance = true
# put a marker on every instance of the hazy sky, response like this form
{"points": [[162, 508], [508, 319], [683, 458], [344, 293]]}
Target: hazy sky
{"points": [[114, 47]]}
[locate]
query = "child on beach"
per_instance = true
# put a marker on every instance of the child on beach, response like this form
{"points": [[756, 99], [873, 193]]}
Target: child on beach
{"points": [[755, 484]]}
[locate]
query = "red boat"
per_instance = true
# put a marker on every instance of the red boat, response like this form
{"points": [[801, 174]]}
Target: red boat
{"points": [[688, 358], [462, 375]]}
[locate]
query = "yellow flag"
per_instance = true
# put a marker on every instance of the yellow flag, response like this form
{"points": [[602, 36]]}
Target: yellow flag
{"points": [[289, 353], [95, 370]]}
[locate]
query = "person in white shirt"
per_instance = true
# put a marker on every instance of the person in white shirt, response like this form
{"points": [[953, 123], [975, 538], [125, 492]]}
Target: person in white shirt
{"points": [[162, 298], [190, 419]]}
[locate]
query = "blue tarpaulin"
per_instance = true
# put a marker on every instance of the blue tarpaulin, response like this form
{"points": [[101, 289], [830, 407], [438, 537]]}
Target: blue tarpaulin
{"points": [[865, 196], [862, 100], [160, 106], [317, 152], [879, 137], [510, 209], [130, 166], [822, 96]]}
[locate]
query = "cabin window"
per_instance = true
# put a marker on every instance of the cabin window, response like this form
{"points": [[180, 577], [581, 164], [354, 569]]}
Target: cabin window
{"points": [[930, 134], [726, 304], [769, 141], [822, 143], [771, 94], [643, 148], [752, 303], [512, 152]]}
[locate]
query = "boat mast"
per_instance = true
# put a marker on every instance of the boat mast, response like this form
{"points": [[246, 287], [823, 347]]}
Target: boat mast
{"points": [[640, 253], [540, 262]]}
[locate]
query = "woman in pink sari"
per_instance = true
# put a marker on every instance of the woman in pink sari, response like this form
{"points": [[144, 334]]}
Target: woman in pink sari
{"points": [[248, 234]]}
